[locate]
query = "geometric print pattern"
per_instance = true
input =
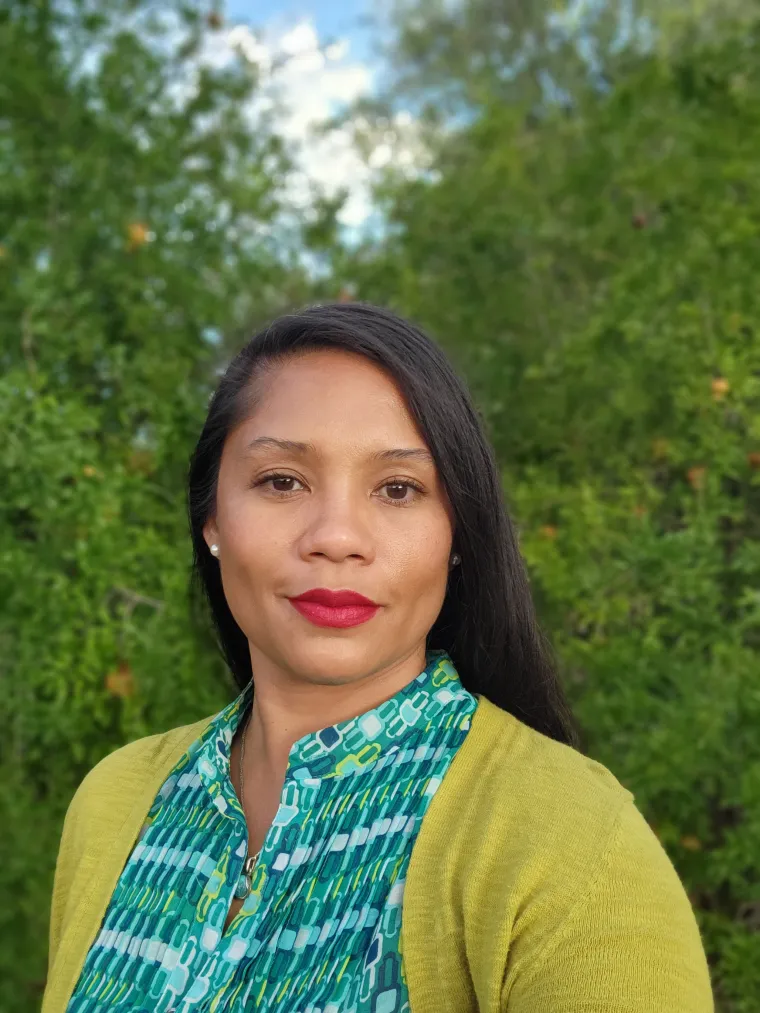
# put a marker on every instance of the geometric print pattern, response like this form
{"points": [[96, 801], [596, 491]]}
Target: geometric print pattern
{"points": [[320, 930]]}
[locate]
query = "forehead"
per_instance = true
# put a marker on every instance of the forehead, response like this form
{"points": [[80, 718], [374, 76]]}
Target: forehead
{"points": [[330, 394]]}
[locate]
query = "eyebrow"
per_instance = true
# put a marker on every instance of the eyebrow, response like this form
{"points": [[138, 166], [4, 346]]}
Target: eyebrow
{"points": [[297, 447]]}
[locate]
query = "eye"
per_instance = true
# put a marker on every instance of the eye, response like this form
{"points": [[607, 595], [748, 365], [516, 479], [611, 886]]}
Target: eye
{"points": [[279, 483], [398, 485]]}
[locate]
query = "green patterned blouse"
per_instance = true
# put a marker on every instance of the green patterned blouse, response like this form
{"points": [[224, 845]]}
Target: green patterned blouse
{"points": [[320, 931]]}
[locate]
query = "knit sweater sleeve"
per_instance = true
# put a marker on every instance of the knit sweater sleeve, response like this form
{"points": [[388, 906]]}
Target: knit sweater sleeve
{"points": [[629, 942]]}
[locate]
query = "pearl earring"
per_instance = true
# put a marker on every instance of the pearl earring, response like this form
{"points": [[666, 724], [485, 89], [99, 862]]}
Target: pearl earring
{"points": [[214, 549], [456, 559]]}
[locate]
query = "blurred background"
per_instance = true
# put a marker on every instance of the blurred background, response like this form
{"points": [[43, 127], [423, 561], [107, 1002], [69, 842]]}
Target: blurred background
{"points": [[566, 195]]}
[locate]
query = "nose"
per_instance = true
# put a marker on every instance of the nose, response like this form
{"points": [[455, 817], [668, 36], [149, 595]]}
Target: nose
{"points": [[338, 528]]}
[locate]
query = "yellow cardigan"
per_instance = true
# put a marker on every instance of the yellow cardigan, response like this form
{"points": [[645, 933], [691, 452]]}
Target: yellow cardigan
{"points": [[535, 884]]}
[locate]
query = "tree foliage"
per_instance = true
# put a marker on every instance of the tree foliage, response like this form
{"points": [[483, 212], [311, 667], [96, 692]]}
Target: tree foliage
{"points": [[453, 58], [595, 276], [138, 204]]}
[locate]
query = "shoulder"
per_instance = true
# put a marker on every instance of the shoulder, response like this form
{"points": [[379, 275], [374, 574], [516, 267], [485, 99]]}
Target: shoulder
{"points": [[521, 824], [525, 771], [531, 850], [97, 819], [130, 762], [121, 776], [573, 878], [520, 816]]}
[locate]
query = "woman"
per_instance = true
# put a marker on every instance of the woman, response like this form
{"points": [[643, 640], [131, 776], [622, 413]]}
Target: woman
{"points": [[398, 817]]}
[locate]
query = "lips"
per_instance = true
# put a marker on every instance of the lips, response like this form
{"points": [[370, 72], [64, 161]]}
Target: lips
{"points": [[342, 609], [334, 599]]}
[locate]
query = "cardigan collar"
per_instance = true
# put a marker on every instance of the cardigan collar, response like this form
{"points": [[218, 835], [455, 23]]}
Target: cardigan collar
{"points": [[339, 750]]}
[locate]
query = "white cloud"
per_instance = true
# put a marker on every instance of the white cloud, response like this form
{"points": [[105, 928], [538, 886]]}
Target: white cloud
{"points": [[308, 84], [241, 39], [337, 50]]}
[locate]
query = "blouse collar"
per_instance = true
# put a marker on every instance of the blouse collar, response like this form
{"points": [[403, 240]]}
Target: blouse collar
{"points": [[338, 750]]}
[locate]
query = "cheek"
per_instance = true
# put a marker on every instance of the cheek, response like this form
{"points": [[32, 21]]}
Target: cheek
{"points": [[250, 572], [256, 543], [420, 560]]}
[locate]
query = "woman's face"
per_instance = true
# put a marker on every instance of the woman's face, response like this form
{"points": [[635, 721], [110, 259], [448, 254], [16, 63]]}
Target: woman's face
{"points": [[357, 505]]}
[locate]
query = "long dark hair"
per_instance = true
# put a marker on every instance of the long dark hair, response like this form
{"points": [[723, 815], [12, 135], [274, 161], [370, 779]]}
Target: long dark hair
{"points": [[487, 622]]}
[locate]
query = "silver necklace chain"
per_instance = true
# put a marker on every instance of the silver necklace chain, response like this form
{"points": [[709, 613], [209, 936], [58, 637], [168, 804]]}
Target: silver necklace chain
{"points": [[244, 883]]}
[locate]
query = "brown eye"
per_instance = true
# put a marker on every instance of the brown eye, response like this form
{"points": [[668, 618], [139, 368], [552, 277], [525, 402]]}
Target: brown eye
{"points": [[397, 490], [280, 483]]}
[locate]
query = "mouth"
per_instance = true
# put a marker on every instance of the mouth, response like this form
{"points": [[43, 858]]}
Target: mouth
{"points": [[340, 609]]}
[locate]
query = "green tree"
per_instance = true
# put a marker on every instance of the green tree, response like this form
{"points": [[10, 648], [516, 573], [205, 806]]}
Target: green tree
{"points": [[454, 58], [139, 197], [595, 276]]}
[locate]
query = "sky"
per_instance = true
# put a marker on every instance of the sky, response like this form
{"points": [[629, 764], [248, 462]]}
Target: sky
{"points": [[314, 83], [341, 18]]}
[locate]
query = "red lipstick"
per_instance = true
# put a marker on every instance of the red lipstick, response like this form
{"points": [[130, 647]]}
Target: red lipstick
{"points": [[342, 609]]}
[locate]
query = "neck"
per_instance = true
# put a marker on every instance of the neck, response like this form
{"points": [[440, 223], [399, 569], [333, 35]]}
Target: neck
{"points": [[286, 708]]}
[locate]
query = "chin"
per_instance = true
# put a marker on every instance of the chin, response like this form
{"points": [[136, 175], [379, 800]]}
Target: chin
{"points": [[331, 663]]}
